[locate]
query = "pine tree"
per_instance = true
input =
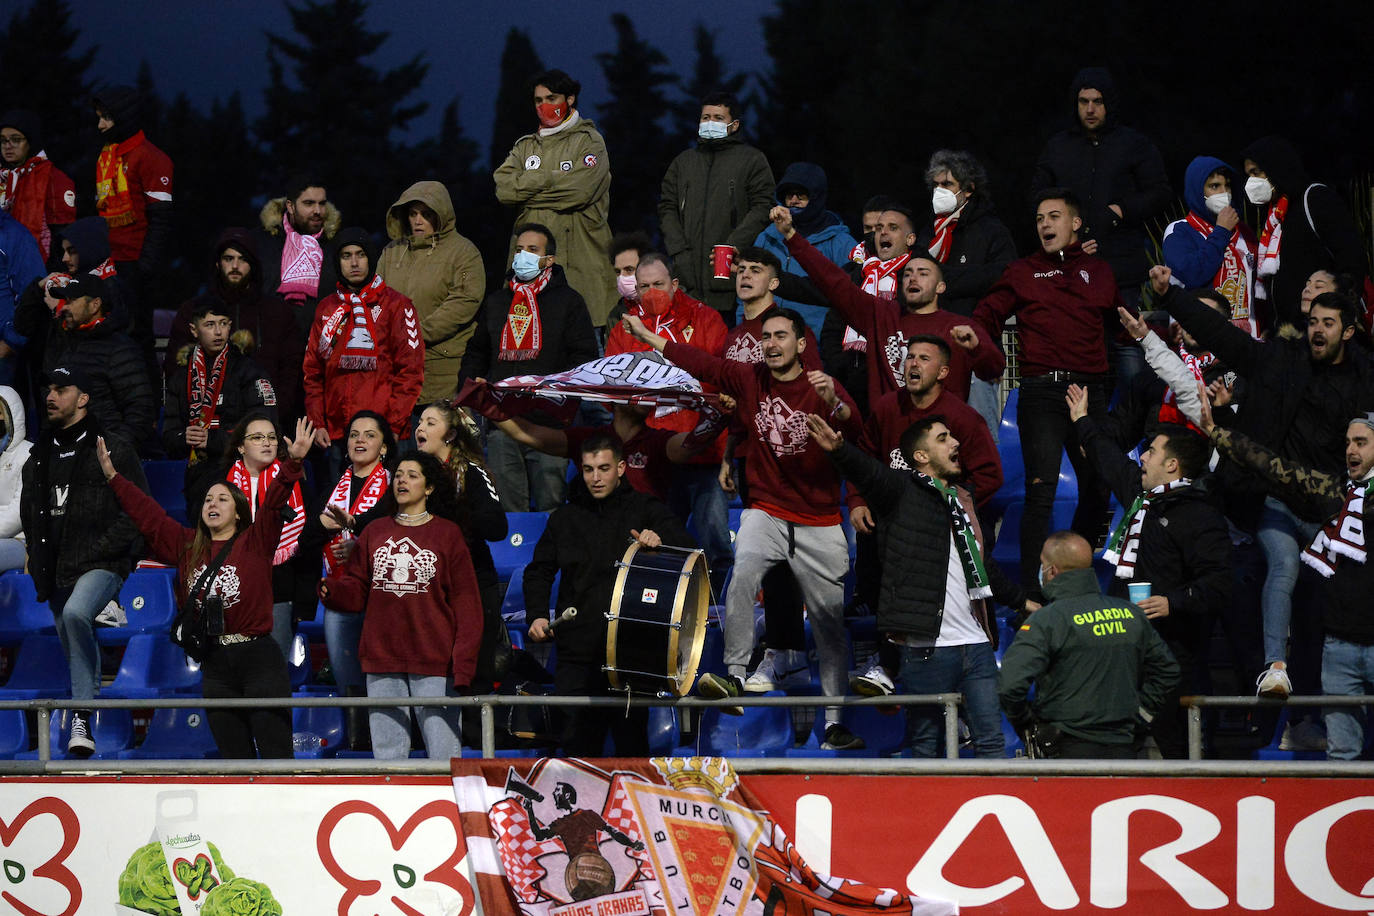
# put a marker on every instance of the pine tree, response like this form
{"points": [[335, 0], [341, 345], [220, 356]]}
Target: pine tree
{"points": [[42, 72], [335, 114], [631, 120], [514, 101]]}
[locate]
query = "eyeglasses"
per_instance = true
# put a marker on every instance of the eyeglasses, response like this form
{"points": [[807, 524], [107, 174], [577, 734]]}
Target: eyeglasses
{"points": [[260, 438], [12, 139]]}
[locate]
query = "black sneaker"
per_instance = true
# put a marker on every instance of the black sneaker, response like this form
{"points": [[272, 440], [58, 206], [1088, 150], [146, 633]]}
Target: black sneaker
{"points": [[839, 738], [79, 742], [721, 687]]}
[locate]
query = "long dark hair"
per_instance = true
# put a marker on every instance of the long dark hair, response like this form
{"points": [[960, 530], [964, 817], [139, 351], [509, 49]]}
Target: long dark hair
{"points": [[199, 551], [240, 431], [390, 455], [443, 502]]}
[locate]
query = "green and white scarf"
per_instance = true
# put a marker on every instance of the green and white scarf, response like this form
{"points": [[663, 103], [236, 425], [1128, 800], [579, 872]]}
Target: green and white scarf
{"points": [[965, 540], [1124, 544]]}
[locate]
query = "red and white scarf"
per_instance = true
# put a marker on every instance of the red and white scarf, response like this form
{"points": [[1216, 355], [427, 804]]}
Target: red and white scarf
{"points": [[202, 388], [302, 258], [523, 335], [241, 477], [9, 179], [1343, 534], [1123, 547], [373, 489], [882, 279], [112, 198], [1168, 411], [943, 240], [353, 317], [1233, 279], [1269, 241]]}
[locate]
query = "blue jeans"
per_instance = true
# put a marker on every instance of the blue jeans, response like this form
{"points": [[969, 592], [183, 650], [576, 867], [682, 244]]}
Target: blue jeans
{"points": [[986, 398], [74, 610], [1282, 536], [696, 492], [970, 670], [341, 634], [390, 726], [13, 554], [1347, 670], [522, 474]]}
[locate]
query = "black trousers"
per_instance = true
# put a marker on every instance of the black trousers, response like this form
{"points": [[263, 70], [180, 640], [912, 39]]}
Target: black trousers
{"points": [[584, 728], [248, 669]]}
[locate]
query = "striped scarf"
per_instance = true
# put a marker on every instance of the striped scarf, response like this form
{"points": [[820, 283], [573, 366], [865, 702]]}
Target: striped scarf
{"points": [[1270, 240], [1343, 534], [522, 337], [1124, 545], [112, 198], [1232, 278], [965, 539], [241, 477], [373, 489], [943, 239]]}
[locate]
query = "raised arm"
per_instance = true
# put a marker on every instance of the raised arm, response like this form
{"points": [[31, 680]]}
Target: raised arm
{"points": [[1121, 473], [1231, 345], [165, 537]]}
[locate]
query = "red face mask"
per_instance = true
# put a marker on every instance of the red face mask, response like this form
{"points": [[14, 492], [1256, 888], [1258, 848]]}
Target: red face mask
{"points": [[656, 302], [550, 115]]}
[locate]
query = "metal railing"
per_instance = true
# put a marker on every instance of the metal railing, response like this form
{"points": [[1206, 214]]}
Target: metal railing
{"points": [[1196, 704]]}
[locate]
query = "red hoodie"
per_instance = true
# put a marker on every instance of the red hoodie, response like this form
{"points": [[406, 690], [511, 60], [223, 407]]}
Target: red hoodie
{"points": [[1061, 302]]}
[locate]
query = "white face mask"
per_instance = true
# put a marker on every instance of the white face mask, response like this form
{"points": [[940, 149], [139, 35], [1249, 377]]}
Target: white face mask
{"points": [[713, 130], [1218, 202], [943, 200], [1258, 189]]}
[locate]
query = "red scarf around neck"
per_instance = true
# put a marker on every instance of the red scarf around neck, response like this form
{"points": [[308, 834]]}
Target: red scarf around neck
{"points": [[354, 317], [241, 477], [1270, 240], [302, 259], [1232, 278], [202, 387], [373, 489], [523, 335], [943, 239], [112, 198]]}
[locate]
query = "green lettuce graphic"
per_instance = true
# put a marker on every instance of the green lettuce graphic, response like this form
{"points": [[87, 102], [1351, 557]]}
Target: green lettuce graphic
{"points": [[147, 885], [241, 897]]}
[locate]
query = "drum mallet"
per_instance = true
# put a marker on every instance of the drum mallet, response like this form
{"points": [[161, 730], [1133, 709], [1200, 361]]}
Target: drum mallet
{"points": [[568, 614]]}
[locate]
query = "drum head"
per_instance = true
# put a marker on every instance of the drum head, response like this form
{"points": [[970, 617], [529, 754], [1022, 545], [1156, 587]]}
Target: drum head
{"points": [[657, 621]]}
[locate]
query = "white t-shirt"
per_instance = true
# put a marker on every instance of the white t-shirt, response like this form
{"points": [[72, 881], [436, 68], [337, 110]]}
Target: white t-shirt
{"points": [[958, 627]]}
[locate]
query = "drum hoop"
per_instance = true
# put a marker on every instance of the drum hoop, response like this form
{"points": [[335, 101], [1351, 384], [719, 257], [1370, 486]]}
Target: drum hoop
{"points": [[613, 623], [680, 681]]}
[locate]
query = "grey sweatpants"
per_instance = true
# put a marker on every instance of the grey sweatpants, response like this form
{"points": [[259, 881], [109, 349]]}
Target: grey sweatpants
{"points": [[819, 557]]}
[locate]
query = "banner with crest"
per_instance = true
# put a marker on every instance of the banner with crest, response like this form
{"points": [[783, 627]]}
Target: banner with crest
{"points": [[636, 837]]}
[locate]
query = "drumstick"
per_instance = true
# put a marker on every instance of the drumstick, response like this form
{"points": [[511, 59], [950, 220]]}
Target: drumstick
{"points": [[567, 615]]}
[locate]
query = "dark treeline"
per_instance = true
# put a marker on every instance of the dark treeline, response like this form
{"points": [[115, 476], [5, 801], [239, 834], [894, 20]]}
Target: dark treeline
{"points": [[866, 89]]}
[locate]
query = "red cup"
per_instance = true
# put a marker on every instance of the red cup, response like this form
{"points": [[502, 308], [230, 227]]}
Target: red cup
{"points": [[722, 259]]}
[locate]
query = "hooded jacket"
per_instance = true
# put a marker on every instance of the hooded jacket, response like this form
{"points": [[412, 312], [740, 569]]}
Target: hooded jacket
{"points": [[21, 264], [43, 197], [333, 392], [717, 193], [1112, 165], [147, 170], [826, 232], [275, 342], [1319, 232], [91, 239], [12, 458], [981, 249], [271, 244], [562, 179], [442, 275], [1194, 258]]}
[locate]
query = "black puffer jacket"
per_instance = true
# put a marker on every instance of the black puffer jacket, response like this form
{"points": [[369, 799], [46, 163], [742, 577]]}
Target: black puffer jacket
{"points": [[979, 252], [1292, 405], [1112, 165], [96, 533], [914, 544], [566, 327], [245, 388], [1319, 231], [583, 540]]}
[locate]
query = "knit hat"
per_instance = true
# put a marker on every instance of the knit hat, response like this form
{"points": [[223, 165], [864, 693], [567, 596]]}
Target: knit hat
{"points": [[28, 124]]}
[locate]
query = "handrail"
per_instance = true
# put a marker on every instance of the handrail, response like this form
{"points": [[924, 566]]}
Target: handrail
{"points": [[1195, 705]]}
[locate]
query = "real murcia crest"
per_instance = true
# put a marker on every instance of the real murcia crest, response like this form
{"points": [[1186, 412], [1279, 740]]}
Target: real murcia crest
{"points": [[403, 567]]}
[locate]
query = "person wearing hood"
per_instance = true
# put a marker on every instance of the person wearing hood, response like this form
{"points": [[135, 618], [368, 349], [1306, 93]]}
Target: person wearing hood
{"points": [[133, 192], [1321, 235], [14, 452], [1172, 537], [32, 190], [263, 325], [717, 193], [1211, 248], [365, 349], [1063, 298], [802, 190], [533, 324], [440, 272], [560, 177], [294, 247]]}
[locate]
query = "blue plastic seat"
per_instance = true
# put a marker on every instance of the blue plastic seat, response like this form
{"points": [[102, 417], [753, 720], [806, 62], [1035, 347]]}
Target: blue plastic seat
{"points": [[763, 731], [175, 734], [523, 532], [300, 673], [165, 482], [153, 666], [112, 729], [325, 726], [149, 601], [884, 734], [313, 629], [14, 733], [40, 671], [21, 613], [664, 733]]}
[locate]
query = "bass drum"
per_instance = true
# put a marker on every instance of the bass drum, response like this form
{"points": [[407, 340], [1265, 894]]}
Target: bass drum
{"points": [[657, 620]]}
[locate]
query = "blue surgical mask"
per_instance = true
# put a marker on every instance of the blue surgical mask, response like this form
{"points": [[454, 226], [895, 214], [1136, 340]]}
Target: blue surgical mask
{"points": [[713, 130], [526, 266], [1040, 576], [796, 211]]}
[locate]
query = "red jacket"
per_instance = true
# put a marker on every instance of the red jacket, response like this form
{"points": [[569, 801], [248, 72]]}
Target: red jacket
{"points": [[417, 587], [894, 412], [333, 393], [148, 173], [687, 322], [43, 197], [887, 326], [1061, 303]]}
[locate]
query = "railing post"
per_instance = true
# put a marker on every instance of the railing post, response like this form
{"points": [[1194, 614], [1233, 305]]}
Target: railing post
{"points": [[951, 728], [1194, 732], [44, 739], [488, 730]]}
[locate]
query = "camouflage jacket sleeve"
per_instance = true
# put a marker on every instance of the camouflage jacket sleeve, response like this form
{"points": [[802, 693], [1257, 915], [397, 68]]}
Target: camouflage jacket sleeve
{"points": [[1313, 494]]}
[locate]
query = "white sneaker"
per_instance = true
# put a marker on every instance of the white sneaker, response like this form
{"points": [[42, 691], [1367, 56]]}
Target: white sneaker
{"points": [[872, 683], [1273, 682], [112, 616], [778, 671], [1306, 735], [79, 741]]}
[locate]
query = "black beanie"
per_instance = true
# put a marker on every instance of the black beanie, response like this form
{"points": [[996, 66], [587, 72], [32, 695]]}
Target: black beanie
{"points": [[28, 124]]}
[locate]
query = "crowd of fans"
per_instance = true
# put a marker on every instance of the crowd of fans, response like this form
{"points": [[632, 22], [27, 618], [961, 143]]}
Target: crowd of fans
{"points": [[865, 375]]}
